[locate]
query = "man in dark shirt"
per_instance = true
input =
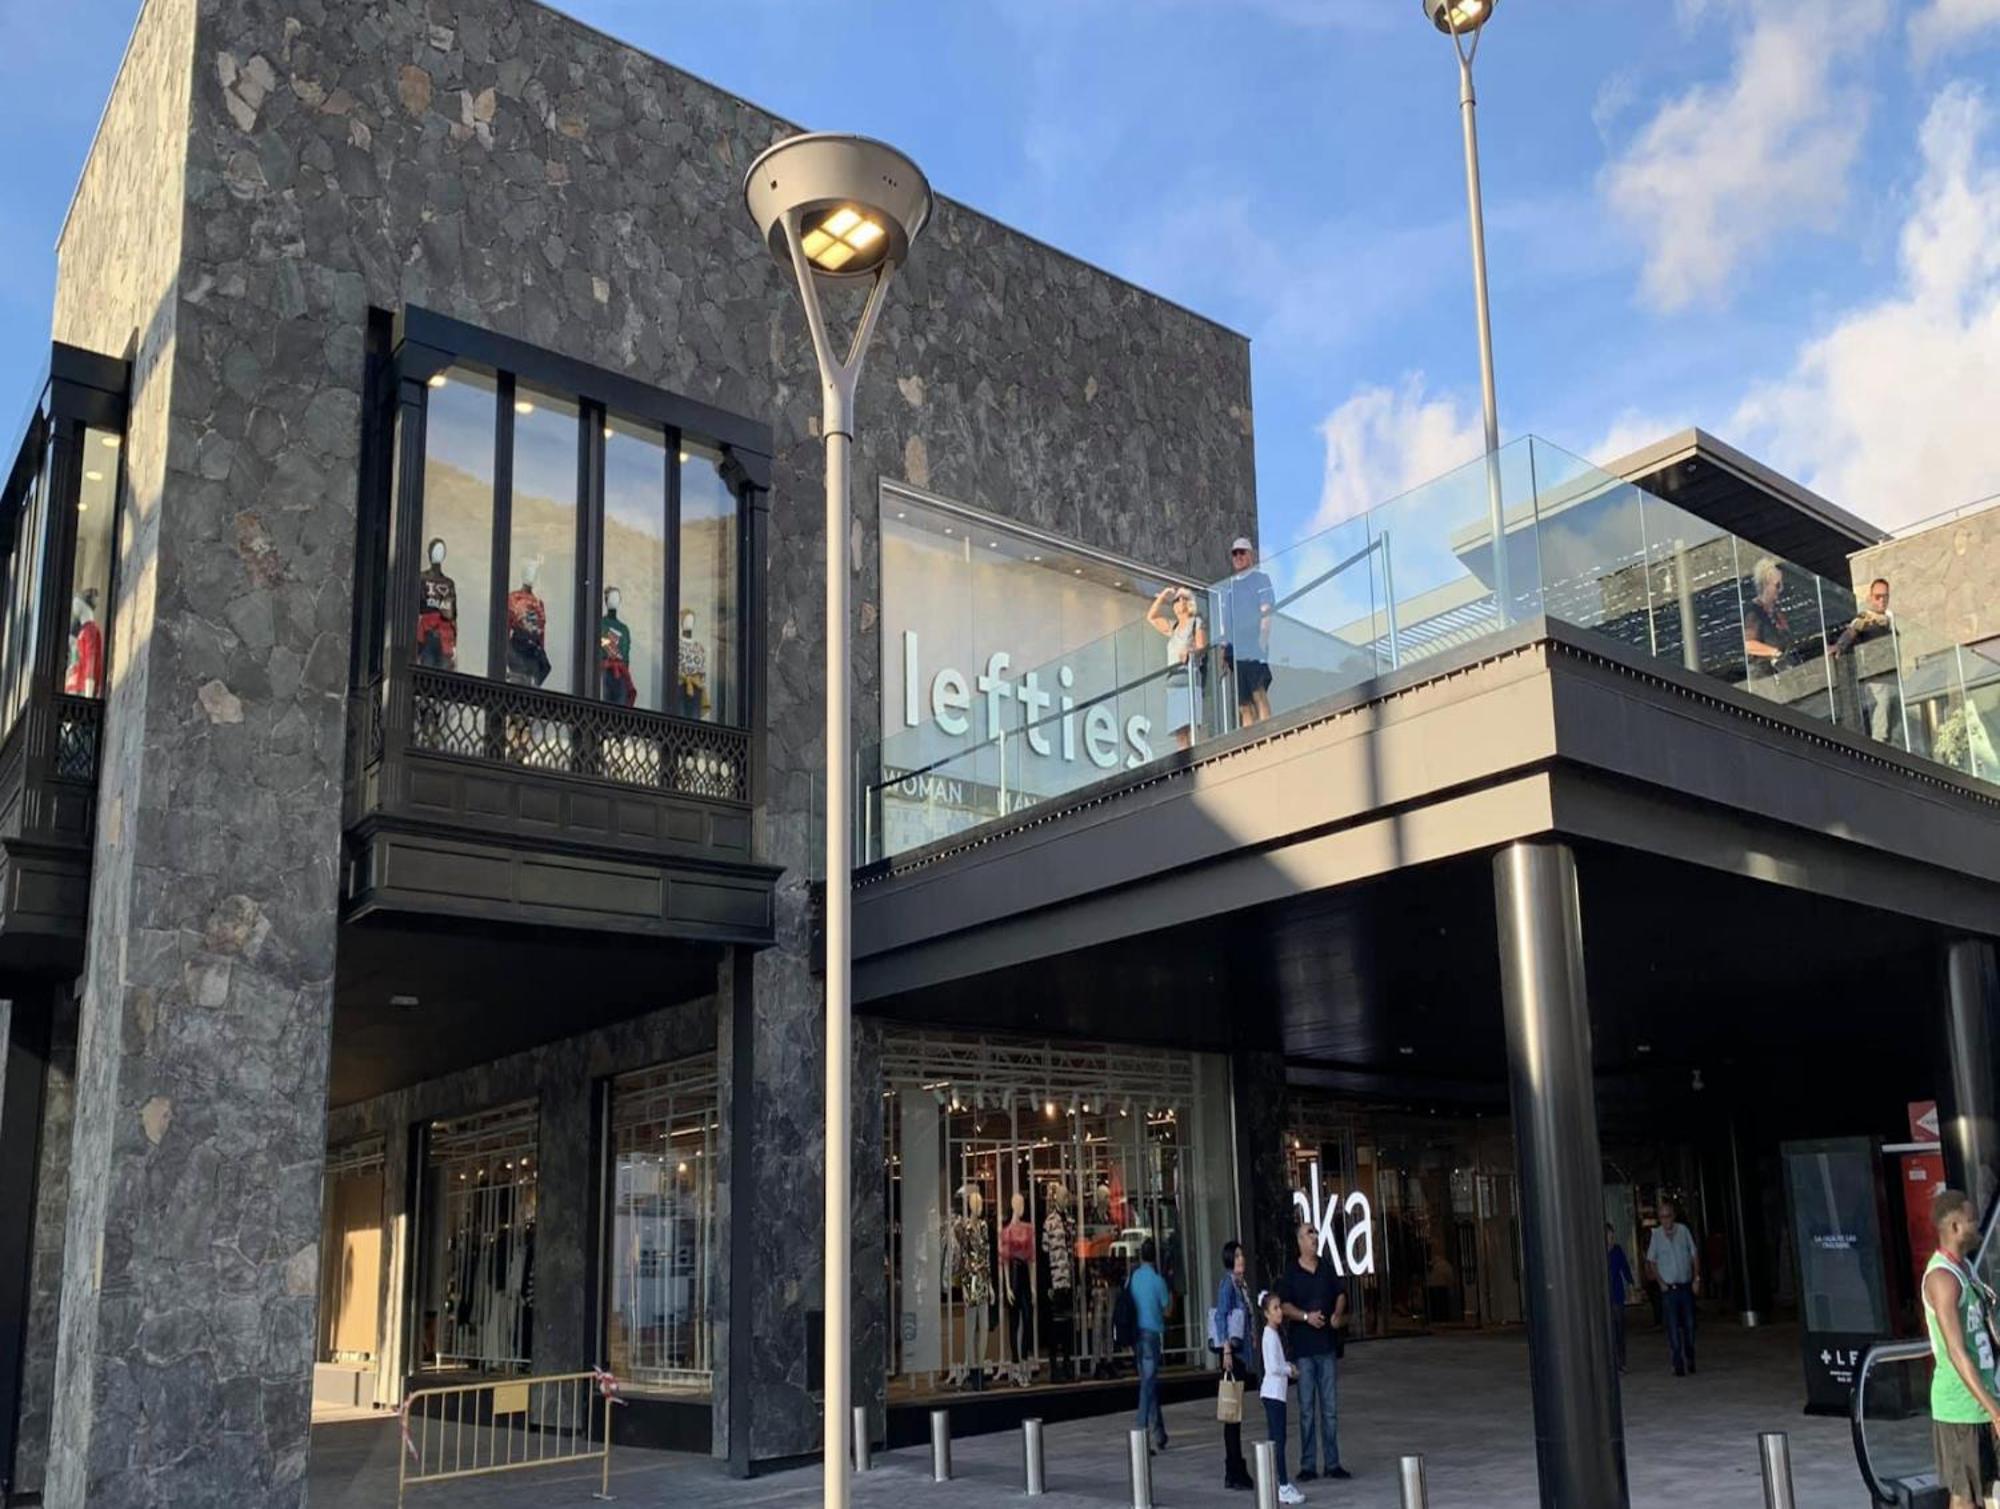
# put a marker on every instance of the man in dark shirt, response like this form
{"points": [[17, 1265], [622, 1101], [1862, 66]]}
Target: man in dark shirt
{"points": [[1871, 635], [1315, 1302]]}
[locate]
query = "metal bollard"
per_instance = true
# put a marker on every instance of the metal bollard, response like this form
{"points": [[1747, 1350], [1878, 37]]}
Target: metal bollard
{"points": [[1267, 1475], [1775, 1448], [1415, 1494], [1031, 1456], [1142, 1470], [940, 1446], [861, 1442]]}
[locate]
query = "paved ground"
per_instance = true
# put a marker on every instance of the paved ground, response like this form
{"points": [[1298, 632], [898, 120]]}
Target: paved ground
{"points": [[1461, 1401]]}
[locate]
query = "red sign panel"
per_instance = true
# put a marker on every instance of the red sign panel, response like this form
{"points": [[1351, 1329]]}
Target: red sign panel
{"points": [[1923, 1177], [1923, 1121]]}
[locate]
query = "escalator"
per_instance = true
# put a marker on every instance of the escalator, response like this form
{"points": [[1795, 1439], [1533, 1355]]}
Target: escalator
{"points": [[1890, 1407]]}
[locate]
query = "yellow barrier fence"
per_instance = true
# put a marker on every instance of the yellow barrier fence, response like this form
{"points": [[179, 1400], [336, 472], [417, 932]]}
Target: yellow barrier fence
{"points": [[466, 1430]]}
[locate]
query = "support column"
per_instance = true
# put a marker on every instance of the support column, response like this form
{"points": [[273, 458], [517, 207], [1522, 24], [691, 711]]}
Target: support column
{"points": [[24, 1039], [1970, 1117], [1742, 1240], [1579, 1436], [51, 1217]]}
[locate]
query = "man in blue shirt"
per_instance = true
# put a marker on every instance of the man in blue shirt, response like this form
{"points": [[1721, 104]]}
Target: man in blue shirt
{"points": [[1621, 1280], [1153, 1300], [1247, 603]]}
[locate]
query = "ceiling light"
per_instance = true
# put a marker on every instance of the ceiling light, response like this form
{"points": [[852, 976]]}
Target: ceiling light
{"points": [[684, 456], [522, 406], [992, 544], [438, 380], [109, 442], [1077, 572], [607, 432], [93, 476], [404, 1001], [1034, 558], [900, 514]]}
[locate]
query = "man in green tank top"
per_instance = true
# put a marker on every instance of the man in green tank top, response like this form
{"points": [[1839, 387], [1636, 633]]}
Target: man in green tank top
{"points": [[1958, 1308]]}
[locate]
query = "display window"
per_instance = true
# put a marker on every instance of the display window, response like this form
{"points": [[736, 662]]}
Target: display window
{"points": [[351, 1254], [476, 1306], [565, 560], [1023, 1181], [665, 1132], [90, 572]]}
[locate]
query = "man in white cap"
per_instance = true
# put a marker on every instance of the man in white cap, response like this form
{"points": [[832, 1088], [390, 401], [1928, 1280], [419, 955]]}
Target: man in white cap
{"points": [[1247, 605]]}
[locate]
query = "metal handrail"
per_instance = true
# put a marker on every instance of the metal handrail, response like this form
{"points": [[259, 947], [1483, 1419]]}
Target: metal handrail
{"points": [[1881, 1352]]}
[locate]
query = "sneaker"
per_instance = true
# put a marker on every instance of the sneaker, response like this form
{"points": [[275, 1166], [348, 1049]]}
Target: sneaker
{"points": [[1337, 1471], [1287, 1494], [1305, 1475]]}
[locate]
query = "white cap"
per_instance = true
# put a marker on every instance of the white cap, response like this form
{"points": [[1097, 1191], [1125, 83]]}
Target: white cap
{"points": [[1240, 543]]}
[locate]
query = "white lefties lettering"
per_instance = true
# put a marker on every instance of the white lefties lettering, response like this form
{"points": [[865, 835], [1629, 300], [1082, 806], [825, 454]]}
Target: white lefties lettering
{"points": [[950, 701], [1136, 729], [1100, 737], [1066, 678], [1035, 702], [1322, 1209], [912, 681]]}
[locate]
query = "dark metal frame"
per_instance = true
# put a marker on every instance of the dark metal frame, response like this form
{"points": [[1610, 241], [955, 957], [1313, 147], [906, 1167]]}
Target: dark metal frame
{"points": [[538, 779]]}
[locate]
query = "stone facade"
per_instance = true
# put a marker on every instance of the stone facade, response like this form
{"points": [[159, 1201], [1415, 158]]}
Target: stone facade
{"points": [[38, 1361], [265, 175], [1945, 578]]}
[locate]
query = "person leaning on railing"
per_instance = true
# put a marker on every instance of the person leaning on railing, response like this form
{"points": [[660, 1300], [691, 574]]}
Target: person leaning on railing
{"points": [[1872, 623], [1767, 631]]}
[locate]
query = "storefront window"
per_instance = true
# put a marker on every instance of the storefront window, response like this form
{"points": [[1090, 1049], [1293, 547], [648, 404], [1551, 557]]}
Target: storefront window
{"points": [[541, 551], [454, 589], [1023, 1180], [24, 584], [633, 624], [706, 650], [350, 1260], [90, 581], [665, 1132], [478, 1276]]}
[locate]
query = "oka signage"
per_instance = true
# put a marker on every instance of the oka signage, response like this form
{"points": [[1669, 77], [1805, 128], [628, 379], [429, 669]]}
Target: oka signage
{"points": [[1322, 1210], [984, 708]]}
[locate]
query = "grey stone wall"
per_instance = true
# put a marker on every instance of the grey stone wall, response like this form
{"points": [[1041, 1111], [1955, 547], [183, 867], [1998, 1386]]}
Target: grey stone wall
{"points": [[507, 166], [1944, 582], [38, 1361]]}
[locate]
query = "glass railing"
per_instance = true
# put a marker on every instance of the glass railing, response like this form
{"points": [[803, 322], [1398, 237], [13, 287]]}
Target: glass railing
{"points": [[1413, 578]]}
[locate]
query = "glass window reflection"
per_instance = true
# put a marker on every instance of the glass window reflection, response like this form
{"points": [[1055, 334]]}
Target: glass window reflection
{"points": [[631, 627], [706, 649], [454, 585], [541, 549], [90, 579]]}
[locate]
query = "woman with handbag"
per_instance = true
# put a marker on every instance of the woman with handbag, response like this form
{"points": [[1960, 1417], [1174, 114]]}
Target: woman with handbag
{"points": [[1232, 1325]]}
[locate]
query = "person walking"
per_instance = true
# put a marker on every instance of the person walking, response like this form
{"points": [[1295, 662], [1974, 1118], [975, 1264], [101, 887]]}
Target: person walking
{"points": [[1621, 1279], [1671, 1263], [1279, 1372], [1153, 1301], [1235, 1326], [1315, 1302], [1959, 1313]]}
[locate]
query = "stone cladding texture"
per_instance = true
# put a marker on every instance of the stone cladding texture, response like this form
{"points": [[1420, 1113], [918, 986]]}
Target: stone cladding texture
{"points": [[269, 170]]}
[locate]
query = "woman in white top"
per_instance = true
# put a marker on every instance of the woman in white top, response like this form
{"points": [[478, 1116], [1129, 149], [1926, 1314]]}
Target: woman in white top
{"points": [[1187, 637], [1278, 1375]]}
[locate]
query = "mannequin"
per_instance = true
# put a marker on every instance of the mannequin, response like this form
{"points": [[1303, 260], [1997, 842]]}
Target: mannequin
{"points": [[85, 677], [437, 613], [1059, 1246], [968, 1266], [614, 643], [1017, 1256], [527, 629], [693, 670]]}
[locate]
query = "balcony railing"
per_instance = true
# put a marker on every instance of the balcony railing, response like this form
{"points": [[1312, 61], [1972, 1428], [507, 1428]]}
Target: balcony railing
{"points": [[470, 718], [1416, 577], [79, 735]]}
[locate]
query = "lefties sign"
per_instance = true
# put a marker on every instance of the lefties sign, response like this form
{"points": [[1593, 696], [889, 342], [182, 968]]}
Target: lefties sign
{"points": [[984, 706], [1322, 1210]]}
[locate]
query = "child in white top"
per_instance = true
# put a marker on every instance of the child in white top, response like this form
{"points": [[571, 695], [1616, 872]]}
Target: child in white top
{"points": [[1278, 1375]]}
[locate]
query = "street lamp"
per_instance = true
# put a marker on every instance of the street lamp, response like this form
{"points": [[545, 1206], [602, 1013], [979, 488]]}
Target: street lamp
{"points": [[839, 208], [1462, 21]]}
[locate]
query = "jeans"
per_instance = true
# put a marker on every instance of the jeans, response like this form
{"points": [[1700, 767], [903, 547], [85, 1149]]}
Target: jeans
{"points": [[1150, 1417], [1678, 1302], [1274, 1427], [1319, 1413], [1618, 1333]]}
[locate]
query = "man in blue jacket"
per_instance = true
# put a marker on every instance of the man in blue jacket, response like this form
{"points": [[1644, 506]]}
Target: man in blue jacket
{"points": [[1154, 1301]]}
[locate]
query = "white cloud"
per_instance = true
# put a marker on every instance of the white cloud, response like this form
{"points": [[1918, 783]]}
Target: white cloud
{"points": [[1889, 411], [1722, 170], [1942, 22], [1384, 441]]}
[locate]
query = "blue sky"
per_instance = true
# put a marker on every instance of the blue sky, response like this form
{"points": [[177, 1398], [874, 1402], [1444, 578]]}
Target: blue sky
{"points": [[1719, 212]]}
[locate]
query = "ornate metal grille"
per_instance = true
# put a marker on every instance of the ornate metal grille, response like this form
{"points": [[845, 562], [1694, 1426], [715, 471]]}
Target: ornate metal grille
{"points": [[477, 719], [79, 728]]}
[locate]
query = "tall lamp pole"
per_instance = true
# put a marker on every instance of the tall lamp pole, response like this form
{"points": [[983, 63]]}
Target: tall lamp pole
{"points": [[1462, 21], [838, 208]]}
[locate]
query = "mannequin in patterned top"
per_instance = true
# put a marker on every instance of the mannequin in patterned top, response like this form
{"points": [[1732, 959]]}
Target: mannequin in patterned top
{"points": [[969, 1265]]}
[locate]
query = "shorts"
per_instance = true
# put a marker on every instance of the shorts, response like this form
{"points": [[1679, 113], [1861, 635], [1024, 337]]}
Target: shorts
{"points": [[1252, 677], [1964, 1458]]}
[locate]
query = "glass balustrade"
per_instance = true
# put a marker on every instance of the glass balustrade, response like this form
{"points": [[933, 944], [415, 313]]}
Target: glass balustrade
{"points": [[1527, 532]]}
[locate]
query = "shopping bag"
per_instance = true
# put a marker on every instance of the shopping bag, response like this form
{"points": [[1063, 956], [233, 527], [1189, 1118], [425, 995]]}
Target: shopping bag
{"points": [[1229, 1401]]}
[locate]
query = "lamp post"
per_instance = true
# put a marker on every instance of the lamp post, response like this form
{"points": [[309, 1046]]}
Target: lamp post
{"points": [[839, 209], [1462, 21]]}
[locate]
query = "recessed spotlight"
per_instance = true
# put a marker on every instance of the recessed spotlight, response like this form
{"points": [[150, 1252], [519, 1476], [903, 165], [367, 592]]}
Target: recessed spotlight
{"points": [[1078, 571], [93, 476], [1645, 1047], [109, 442], [1117, 584], [1034, 558], [947, 529], [607, 432], [992, 544], [522, 406], [404, 1001], [684, 456], [1406, 1050], [900, 514], [439, 380]]}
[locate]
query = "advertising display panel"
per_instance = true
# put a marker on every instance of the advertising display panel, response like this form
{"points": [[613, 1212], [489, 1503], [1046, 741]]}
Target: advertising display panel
{"points": [[1833, 1189]]}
